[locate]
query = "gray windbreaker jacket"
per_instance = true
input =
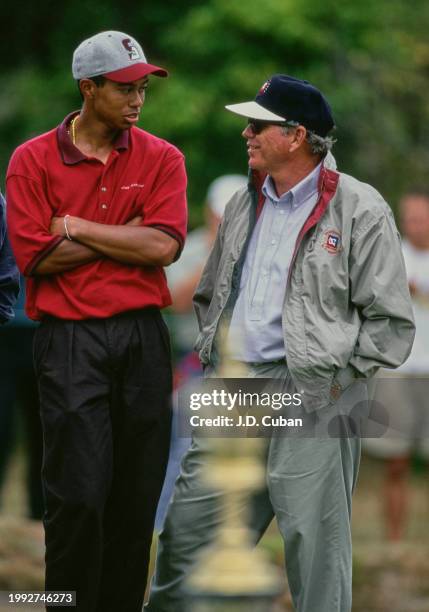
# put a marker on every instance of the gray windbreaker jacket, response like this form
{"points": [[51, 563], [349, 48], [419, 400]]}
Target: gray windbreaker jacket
{"points": [[347, 308]]}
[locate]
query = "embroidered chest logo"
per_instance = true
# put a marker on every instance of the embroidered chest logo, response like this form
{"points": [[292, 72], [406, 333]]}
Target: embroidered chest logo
{"points": [[132, 186], [332, 241]]}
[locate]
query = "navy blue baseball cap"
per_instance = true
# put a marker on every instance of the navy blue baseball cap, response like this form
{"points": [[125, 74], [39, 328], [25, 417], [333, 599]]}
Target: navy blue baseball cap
{"points": [[284, 98]]}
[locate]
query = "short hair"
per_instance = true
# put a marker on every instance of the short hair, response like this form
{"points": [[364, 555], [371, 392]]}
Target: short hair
{"points": [[320, 145], [99, 81], [416, 191]]}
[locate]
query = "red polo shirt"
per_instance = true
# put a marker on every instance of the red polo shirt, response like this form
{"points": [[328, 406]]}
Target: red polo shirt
{"points": [[48, 176]]}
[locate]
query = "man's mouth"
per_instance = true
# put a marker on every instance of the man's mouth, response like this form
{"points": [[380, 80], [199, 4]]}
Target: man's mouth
{"points": [[132, 117], [251, 148]]}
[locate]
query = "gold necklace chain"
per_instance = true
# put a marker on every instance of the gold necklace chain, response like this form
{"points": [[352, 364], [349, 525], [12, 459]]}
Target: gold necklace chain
{"points": [[73, 129]]}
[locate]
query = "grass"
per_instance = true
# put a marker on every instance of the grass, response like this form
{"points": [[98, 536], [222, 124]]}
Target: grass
{"points": [[387, 577]]}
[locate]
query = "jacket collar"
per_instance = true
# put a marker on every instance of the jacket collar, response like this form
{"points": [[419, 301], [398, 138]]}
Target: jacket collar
{"points": [[328, 179]]}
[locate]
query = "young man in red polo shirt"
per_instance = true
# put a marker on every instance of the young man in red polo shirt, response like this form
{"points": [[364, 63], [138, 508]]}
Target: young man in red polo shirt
{"points": [[96, 209]]}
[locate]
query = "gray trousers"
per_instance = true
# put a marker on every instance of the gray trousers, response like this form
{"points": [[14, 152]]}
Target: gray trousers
{"points": [[309, 484]]}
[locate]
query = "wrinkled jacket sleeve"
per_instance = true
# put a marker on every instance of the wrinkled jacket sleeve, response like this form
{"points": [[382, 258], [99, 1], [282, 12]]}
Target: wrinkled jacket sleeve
{"points": [[204, 292], [379, 290], [9, 275]]}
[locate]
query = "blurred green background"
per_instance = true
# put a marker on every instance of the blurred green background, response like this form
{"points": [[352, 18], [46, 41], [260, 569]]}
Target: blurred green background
{"points": [[371, 58]]}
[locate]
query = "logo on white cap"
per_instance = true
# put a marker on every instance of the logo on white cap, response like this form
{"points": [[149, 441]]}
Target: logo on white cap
{"points": [[131, 48]]}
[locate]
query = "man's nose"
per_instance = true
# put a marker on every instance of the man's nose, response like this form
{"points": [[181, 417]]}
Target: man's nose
{"points": [[247, 132], [137, 99]]}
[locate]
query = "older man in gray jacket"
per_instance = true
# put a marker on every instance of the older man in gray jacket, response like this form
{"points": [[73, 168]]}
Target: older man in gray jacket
{"points": [[307, 274]]}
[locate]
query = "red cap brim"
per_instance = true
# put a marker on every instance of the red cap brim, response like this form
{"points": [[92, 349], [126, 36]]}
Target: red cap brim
{"points": [[135, 72]]}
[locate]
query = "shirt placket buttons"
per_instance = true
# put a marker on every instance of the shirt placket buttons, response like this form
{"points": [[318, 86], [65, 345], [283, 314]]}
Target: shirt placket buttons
{"points": [[104, 205]]}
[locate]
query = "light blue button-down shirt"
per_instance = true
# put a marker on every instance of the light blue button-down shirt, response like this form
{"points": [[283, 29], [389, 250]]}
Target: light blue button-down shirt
{"points": [[256, 333]]}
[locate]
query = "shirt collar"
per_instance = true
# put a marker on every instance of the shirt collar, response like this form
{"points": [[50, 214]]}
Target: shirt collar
{"points": [[71, 154], [299, 192]]}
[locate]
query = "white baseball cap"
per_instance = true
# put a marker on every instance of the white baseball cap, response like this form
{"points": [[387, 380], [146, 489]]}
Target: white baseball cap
{"points": [[115, 55], [222, 189]]}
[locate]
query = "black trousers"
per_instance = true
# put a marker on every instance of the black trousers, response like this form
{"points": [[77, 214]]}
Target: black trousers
{"points": [[105, 387]]}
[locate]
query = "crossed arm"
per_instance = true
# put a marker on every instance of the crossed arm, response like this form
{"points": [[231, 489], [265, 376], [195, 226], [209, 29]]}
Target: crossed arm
{"points": [[131, 244]]}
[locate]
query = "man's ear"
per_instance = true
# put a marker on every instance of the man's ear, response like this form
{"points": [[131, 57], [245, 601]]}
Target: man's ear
{"points": [[299, 137], [87, 88]]}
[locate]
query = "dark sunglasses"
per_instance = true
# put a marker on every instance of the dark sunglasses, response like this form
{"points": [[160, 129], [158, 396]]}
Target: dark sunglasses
{"points": [[258, 126]]}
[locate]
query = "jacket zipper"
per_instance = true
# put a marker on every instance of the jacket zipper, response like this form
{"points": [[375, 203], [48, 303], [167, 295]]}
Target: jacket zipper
{"points": [[328, 195], [236, 277]]}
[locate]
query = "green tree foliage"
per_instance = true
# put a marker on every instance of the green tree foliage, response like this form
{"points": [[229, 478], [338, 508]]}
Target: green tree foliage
{"points": [[370, 58]]}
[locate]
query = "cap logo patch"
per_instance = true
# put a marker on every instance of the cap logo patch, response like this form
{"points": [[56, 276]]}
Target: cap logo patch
{"points": [[332, 241], [132, 49], [264, 87]]}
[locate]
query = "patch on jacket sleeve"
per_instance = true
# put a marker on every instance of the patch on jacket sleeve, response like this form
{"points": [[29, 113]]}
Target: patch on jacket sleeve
{"points": [[332, 241]]}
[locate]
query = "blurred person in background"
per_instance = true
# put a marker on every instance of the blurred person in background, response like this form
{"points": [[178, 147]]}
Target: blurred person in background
{"points": [[19, 389], [404, 394], [9, 289], [183, 277], [9, 275], [96, 209]]}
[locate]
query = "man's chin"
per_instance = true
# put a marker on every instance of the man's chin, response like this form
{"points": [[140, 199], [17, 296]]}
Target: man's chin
{"points": [[254, 165]]}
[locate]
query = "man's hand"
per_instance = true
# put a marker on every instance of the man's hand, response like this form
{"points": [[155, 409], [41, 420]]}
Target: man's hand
{"points": [[413, 288], [135, 221]]}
